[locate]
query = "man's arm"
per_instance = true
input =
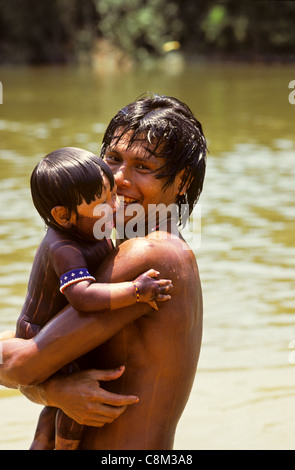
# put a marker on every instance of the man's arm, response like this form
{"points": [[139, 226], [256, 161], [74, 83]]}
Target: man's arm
{"points": [[40, 358], [72, 334], [67, 336], [67, 392]]}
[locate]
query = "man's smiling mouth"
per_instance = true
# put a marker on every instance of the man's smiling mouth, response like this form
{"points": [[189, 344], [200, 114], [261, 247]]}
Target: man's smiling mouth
{"points": [[126, 201]]}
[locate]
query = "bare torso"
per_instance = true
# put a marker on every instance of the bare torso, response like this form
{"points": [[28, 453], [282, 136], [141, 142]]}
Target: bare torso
{"points": [[160, 350]]}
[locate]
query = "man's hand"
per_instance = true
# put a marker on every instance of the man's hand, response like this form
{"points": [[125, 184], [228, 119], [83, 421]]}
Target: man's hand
{"points": [[80, 396]]}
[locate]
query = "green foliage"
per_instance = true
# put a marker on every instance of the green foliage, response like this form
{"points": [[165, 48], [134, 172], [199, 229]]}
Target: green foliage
{"points": [[36, 31], [138, 27], [215, 21], [260, 27]]}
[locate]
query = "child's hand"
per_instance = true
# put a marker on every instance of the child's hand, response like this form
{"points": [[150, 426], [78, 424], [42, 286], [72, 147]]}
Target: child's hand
{"points": [[149, 289]]}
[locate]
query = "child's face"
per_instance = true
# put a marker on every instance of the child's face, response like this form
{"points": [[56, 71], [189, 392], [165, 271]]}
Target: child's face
{"points": [[101, 209]]}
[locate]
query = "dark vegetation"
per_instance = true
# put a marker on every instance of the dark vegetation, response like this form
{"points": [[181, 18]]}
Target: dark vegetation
{"points": [[65, 31]]}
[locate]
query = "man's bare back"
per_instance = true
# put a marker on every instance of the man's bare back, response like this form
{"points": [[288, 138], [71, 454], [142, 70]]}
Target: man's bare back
{"points": [[160, 351]]}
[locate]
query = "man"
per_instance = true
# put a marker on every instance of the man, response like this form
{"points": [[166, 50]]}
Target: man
{"points": [[156, 150]]}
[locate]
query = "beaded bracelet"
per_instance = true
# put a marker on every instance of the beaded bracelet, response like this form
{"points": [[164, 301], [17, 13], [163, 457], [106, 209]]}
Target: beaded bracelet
{"points": [[136, 291]]}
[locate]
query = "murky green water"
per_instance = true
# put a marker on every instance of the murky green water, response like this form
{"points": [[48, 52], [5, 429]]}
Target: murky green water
{"points": [[247, 253]]}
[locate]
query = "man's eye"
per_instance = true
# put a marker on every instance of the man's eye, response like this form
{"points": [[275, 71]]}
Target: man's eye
{"points": [[143, 167], [112, 158]]}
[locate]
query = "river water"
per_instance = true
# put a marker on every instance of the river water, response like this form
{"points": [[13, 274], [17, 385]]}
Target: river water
{"points": [[243, 396]]}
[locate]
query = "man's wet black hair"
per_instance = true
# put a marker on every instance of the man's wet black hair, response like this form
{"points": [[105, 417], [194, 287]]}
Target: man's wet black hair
{"points": [[64, 178], [176, 136]]}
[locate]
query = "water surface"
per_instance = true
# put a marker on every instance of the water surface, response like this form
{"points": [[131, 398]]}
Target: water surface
{"points": [[247, 251]]}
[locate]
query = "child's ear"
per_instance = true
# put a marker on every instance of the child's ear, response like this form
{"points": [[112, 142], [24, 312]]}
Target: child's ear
{"points": [[61, 216]]}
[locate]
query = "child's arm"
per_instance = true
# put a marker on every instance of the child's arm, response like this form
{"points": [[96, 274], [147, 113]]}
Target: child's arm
{"points": [[86, 296]]}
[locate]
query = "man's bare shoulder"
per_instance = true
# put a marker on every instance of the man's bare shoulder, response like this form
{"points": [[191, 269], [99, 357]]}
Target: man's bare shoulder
{"points": [[163, 244], [166, 254]]}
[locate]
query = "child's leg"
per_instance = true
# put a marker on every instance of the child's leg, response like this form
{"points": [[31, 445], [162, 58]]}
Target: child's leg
{"points": [[68, 432], [45, 432]]}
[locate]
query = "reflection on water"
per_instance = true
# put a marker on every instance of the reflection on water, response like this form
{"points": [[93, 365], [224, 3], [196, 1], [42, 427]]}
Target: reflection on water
{"points": [[248, 237], [247, 253]]}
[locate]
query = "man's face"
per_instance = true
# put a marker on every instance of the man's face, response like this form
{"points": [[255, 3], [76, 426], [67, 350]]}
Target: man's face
{"points": [[134, 171]]}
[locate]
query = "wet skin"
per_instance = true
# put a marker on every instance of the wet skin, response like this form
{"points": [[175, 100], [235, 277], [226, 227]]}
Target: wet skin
{"points": [[159, 350]]}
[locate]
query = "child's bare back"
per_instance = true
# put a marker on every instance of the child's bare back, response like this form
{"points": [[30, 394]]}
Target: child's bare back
{"points": [[44, 299]]}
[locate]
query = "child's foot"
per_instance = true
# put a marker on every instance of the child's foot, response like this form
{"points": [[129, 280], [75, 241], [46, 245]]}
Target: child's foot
{"points": [[66, 444], [42, 444]]}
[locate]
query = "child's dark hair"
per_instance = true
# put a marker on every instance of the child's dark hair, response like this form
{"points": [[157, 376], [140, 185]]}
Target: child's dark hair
{"points": [[64, 178], [177, 137]]}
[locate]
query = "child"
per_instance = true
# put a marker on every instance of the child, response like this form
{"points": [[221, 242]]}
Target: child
{"points": [[66, 186]]}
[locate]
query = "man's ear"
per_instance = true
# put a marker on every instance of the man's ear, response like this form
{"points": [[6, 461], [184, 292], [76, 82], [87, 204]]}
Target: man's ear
{"points": [[182, 190], [61, 216]]}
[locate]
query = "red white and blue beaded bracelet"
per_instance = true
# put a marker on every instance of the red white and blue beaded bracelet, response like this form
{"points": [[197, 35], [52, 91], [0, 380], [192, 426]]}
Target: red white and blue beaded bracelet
{"points": [[73, 276]]}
